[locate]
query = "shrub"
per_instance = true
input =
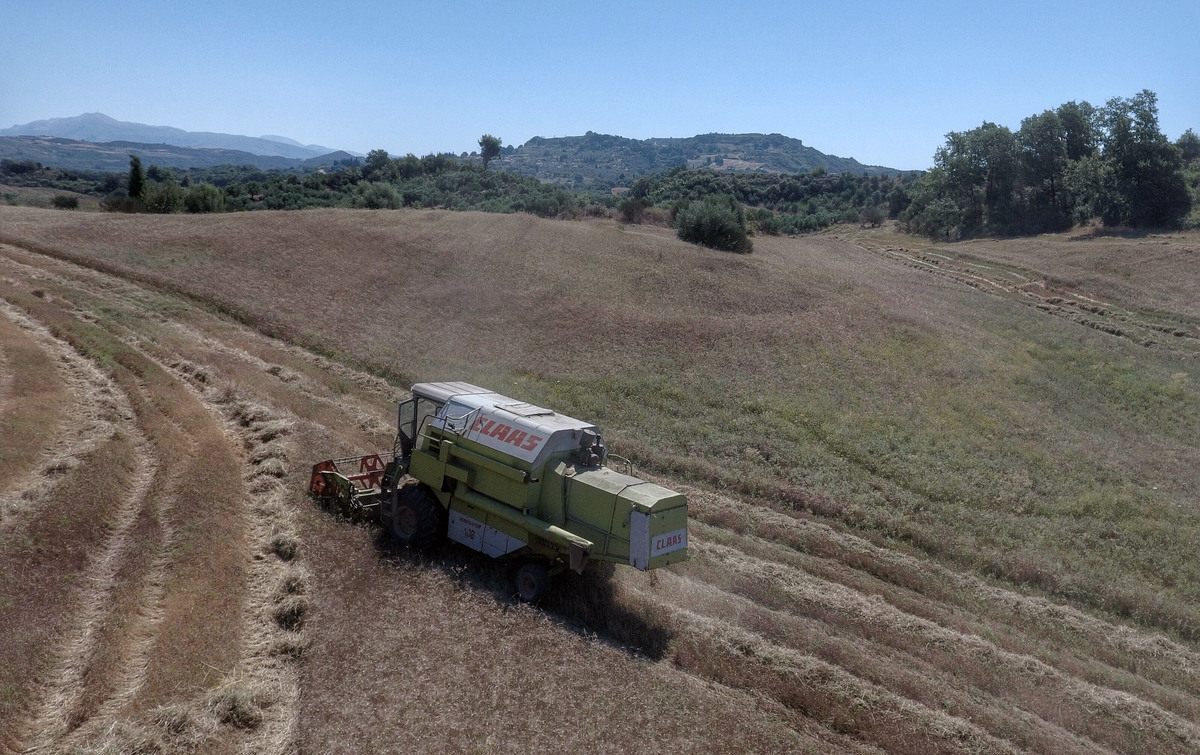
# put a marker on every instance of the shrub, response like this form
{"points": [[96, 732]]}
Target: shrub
{"points": [[718, 221], [17, 167], [119, 201], [162, 196], [204, 197], [631, 210], [64, 202], [871, 215], [764, 221], [376, 195]]}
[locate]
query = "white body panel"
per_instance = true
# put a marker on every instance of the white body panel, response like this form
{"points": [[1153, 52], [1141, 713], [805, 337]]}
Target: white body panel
{"points": [[477, 535], [668, 542], [639, 540]]}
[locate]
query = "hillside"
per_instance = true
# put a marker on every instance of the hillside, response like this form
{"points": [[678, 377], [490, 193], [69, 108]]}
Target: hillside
{"points": [[942, 496], [98, 127], [600, 160], [71, 154]]}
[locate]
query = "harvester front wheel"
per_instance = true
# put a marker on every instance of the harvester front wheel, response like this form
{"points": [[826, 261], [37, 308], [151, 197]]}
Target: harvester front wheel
{"points": [[533, 579], [417, 517]]}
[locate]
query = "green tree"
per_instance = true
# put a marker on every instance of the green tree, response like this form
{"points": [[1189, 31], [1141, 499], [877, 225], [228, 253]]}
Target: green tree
{"points": [[1043, 144], [1147, 186], [1080, 131], [1189, 146], [975, 177], [489, 148], [376, 195], [162, 196], [871, 215], [379, 166], [137, 177]]}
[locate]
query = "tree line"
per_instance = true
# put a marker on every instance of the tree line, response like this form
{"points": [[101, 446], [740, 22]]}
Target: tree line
{"points": [[775, 203], [1062, 167], [380, 182]]}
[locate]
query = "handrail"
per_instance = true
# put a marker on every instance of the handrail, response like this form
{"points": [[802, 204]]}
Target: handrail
{"points": [[628, 463]]}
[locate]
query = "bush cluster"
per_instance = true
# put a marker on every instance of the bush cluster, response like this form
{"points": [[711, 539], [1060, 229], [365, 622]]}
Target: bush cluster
{"points": [[717, 221]]}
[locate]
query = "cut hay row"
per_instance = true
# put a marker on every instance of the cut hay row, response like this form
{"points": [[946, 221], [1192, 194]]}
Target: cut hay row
{"points": [[896, 671], [94, 436], [163, 634], [276, 586], [88, 670], [58, 408], [1022, 680], [1057, 629], [732, 655]]}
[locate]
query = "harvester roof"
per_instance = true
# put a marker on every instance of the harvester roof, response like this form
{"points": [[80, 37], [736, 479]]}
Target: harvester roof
{"points": [[514, 427]]}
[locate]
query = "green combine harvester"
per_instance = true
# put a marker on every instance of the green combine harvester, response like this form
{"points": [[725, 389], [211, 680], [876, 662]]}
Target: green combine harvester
{"points": [[510, 480]]}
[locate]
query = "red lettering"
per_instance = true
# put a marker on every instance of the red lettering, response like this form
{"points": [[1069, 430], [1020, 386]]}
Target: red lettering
{"points": [[516, 437], [479, 422], [499, 431], [662, 543], [531, 443], [483, 425]]}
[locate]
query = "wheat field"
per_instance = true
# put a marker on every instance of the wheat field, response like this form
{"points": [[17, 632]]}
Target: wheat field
{"points": [[942, 496]]}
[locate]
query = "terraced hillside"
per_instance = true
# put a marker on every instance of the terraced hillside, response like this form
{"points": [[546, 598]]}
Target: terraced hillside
{"points": [[933, 508]]}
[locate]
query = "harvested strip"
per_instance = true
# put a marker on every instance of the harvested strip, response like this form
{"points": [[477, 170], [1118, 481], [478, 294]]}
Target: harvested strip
{"points": [[1026, 679], [33, 397], [879, 664], [1155, 656], [56, 408], [742, 658], [112, 594], [197, 626]]}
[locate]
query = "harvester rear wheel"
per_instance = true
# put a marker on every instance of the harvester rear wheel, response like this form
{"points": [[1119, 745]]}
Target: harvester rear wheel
{"points": [[417, 518], [533, 579]]}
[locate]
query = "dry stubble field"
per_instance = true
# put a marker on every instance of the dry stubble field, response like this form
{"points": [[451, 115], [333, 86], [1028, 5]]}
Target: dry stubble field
{"points": [[943, 496]]}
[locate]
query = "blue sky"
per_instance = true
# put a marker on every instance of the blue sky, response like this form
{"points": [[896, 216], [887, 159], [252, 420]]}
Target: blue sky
{"points": [[881, 82]]}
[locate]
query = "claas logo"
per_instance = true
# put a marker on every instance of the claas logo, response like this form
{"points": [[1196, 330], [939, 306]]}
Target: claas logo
{"points": [[506, 434]]}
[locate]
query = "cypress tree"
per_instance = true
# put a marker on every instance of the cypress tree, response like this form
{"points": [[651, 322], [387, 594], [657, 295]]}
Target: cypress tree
{"points": [[137, 177]]}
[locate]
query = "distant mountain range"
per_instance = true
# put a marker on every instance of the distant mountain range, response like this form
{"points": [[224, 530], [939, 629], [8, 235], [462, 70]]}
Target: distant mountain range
{"points": [[98, 127], [94, 141], [72, 154]]}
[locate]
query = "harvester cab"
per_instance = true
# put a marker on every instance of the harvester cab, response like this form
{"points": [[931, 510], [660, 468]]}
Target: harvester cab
{"points": [[511, 480]]}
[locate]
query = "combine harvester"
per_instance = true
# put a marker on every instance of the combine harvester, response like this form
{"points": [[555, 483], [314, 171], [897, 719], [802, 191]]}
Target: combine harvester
{"points": [[510, 480]]}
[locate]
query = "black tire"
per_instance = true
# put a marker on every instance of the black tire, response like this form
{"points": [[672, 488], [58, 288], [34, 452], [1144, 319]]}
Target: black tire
{"points": [[532, 580], [418, 519]]}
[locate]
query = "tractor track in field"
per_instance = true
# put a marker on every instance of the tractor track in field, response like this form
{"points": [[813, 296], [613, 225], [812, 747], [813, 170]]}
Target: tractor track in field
{"points": [[94, 411], [99, 411], [101, 668], [61, 710], [1149, 328]]}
